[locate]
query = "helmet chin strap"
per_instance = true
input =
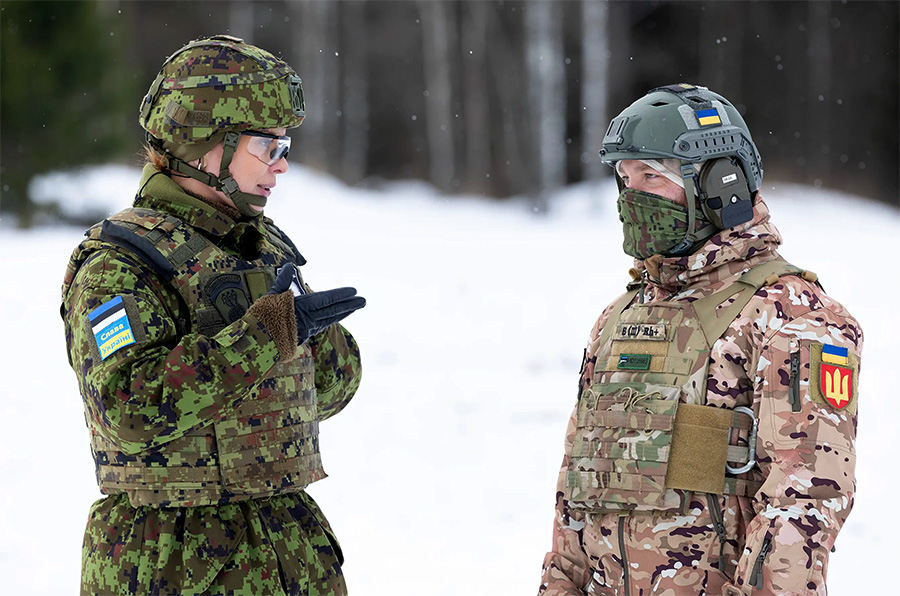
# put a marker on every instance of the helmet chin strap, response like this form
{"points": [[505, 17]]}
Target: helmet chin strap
{"points": [[225, 181], [691, 238]]}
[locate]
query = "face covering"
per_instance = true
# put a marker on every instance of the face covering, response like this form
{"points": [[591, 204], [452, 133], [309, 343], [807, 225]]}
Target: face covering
{"points": [[653, 225]]}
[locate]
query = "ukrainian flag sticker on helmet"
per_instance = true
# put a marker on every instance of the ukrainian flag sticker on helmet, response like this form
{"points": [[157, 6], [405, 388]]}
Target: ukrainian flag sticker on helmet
{"points": [[111, 327], [707, 117]]}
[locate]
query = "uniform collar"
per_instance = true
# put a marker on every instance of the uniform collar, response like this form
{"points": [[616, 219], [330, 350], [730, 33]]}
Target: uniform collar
{"points": [[159, 191], [724, 255]]}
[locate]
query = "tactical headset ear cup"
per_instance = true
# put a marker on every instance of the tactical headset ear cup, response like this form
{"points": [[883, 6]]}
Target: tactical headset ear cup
{"points": [[724, 193]]}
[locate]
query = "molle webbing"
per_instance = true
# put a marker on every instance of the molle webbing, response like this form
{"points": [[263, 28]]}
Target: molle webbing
{"points": [[633, 450], [130, 230]]}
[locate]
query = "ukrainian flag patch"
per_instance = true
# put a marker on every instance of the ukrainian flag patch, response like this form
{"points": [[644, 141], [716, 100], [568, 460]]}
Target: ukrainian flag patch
{"points": [[707, 117], [835, 355], [111, 327]]}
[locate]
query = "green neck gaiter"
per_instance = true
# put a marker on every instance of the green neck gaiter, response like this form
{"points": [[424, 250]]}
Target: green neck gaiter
{"points": [[654, 225]]}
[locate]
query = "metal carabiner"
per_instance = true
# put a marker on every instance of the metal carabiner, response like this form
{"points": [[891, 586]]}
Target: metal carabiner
{"points": [[751, 443]]}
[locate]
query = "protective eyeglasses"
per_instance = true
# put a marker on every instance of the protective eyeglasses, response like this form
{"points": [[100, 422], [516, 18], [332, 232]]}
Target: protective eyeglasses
{"points": [[267, 148]]}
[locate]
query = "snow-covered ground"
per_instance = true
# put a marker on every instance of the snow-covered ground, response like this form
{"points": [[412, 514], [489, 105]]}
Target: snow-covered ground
{"points": [[442, 470]]}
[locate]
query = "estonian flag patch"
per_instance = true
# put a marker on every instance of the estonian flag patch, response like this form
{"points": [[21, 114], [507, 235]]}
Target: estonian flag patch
{"points": [[111, 327]]}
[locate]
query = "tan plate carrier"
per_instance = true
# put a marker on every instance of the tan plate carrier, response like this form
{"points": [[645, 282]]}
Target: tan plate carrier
{"points": [[644, 435]]}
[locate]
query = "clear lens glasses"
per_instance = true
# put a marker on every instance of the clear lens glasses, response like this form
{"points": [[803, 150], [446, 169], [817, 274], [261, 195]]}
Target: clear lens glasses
{"points": [[268, 148]]}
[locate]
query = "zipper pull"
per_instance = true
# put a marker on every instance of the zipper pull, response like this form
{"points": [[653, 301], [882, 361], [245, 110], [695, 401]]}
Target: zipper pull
{"points": [[756, 576], [794, 382], [644, 277], [718, 520]]}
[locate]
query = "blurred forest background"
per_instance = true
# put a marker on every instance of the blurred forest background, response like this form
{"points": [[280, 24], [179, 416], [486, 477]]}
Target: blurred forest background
{"points": [[492, 98]]}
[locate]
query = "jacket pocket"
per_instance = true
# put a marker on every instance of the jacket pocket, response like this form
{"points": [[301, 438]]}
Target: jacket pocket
{"points": [[786, 390], [793, 410]]}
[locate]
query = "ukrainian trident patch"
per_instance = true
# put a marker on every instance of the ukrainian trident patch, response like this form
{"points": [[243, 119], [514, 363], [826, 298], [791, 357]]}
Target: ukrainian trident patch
{"points": [[835, 382]]}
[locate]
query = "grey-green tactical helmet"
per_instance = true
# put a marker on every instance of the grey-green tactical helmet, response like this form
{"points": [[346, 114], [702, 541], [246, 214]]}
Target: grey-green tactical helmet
{"points": [[211, 90], [694, 125]]}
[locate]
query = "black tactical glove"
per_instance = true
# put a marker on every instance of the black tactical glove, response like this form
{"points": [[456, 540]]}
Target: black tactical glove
{"points": [[317, 311]]}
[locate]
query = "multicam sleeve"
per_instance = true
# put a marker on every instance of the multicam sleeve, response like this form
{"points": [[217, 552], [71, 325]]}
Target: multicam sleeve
{"points": [[806, 393], [338, 369], [162, 384], [567, 568]]}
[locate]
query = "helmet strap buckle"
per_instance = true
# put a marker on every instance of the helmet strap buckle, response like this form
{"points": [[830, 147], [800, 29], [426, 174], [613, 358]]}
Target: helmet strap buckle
{"points": [[228, 185], [689, 176], [226, 182]]}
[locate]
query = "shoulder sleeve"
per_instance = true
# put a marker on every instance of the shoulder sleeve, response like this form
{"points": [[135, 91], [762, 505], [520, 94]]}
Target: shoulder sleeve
{"points": [[338, 369], [158, 384], [805, 392], [567, 567]]}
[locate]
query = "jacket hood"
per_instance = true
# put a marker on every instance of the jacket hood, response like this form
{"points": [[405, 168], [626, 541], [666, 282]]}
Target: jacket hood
{"points": [[723, 255]]}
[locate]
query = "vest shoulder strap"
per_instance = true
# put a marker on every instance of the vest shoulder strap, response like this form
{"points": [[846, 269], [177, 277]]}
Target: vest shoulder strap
{"points": [[715, 320], [279, 238], [614, 315], [160, 240]]}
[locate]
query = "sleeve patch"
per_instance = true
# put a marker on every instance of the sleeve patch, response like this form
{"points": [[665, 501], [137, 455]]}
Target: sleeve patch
{"points": [[111, 326], [833, 377]]}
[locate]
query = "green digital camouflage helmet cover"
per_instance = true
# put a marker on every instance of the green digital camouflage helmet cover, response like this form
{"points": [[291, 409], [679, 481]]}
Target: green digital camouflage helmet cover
{"points": [[209, 92], [216, 85]]}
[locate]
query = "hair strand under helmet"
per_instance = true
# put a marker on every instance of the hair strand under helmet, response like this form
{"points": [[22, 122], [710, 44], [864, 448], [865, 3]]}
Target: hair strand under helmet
{"points": [[692, 124], [211, 90]]}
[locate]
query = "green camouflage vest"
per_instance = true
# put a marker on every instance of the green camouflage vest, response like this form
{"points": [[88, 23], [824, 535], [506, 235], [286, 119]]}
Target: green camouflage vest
{"points": [[269, 444], [644, 435]]}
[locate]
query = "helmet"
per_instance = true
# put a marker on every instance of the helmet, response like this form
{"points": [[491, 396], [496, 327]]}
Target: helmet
{"points": [[211, 90], [694, 125]]}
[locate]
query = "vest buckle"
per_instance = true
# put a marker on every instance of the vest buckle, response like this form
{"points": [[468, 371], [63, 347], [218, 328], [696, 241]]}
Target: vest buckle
{"points": [[751, 442]]}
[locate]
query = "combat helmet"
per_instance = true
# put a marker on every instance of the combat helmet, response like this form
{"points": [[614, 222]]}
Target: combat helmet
{"points": [[694, 125], [211, 90]]}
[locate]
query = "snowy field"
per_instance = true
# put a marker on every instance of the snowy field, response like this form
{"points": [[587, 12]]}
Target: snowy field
{"points": [[442, 470]]}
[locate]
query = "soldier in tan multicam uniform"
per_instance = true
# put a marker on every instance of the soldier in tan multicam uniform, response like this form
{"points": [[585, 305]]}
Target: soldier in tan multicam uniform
{"points": [[204, 361], [712, 447]]}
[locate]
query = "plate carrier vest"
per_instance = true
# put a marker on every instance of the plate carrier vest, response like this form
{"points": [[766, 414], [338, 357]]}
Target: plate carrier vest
{"points": [[269, 443], [644, 435]]}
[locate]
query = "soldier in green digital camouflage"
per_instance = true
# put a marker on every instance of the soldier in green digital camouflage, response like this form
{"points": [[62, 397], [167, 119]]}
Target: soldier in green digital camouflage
{"points": [[204, 361], [713, 443]]}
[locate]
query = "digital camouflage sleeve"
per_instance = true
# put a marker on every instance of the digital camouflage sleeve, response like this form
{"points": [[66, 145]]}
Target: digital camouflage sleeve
{"points": [[166, 384]]}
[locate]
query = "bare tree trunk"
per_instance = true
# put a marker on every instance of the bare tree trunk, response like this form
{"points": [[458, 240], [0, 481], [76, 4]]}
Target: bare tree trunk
{"points": [[315, 48], [475, 99], [712, 52], [508, 122], [595, 81], [546, 94], [240, 20], [438, 33], [355, 107], [818, 143]]}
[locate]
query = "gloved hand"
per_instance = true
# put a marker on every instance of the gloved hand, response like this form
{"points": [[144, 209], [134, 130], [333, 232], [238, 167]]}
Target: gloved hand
{"points": [[317, 311]]}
